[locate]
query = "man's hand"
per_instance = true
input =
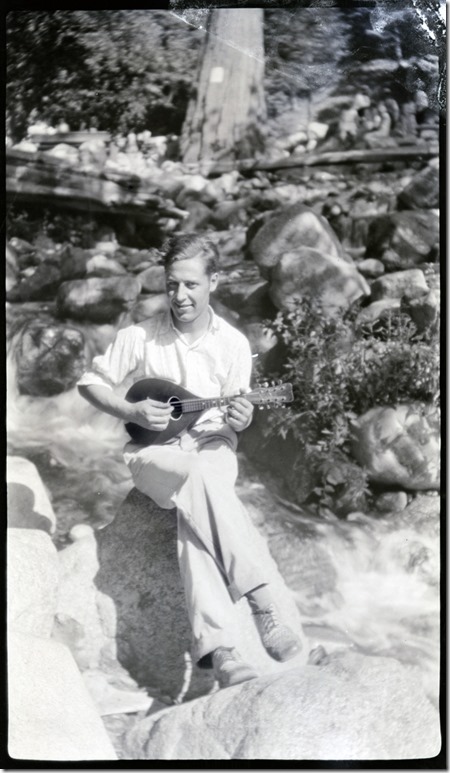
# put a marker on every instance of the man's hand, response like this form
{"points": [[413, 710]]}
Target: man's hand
{"points": [[240, 412], [150, 414]]}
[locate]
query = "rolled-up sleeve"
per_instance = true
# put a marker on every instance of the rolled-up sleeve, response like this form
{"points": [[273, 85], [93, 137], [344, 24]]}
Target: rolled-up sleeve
{"points": [[121, 358]]}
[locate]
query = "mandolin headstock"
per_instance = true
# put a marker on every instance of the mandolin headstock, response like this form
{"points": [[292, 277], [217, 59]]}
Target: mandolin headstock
{"points": [[275, 393]]}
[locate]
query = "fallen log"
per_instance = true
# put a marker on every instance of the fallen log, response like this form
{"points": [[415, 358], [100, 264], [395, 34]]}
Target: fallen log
{"points": [[421, 150]]}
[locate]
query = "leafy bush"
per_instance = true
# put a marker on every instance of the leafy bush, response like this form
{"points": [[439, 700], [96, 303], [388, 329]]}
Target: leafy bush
{"points": [[338, 374]]}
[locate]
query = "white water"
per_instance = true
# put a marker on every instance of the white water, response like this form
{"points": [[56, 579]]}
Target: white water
{"points": [[386, 596]]}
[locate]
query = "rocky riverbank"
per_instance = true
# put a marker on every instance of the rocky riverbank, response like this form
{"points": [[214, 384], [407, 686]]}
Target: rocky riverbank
{"points": [[364, 242]]}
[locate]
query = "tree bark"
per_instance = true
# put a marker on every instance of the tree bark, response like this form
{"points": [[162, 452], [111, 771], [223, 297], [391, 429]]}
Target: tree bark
{"points": [[226, 118]]}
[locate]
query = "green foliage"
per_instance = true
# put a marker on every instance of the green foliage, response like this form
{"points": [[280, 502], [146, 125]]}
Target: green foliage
{"points": [[116, 71], [337, 375]]}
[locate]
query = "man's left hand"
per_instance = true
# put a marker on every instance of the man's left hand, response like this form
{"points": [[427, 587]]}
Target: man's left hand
{"points": [[239, 414]]}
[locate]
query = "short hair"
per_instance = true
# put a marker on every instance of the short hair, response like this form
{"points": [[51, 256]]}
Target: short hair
{"points": [[189, 245]]}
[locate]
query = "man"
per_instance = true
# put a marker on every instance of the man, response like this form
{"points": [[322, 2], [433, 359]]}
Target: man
{"points": [[195, 472]]}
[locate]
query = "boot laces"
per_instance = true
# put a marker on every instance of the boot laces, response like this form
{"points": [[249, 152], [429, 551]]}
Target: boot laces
{"points": [[267, 619]]}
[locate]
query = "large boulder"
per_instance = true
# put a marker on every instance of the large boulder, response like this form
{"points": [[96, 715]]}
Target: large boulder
{"points": [[97, 299], [51, 715], [349, 708], [377, 312], [424, 311], [402, 240], [423, 190], [152, 629], [101, 265], [411, 283], [296, 227], [399, 445], [32, 581], [32, 571], [309, 271], [40, 285], [50, 358]]}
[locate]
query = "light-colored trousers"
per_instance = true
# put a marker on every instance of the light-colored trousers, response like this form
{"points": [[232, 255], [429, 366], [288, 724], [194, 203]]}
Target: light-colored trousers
{"points": [[218, 560]]}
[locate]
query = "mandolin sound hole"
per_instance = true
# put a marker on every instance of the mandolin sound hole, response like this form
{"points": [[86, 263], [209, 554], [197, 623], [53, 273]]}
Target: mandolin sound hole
{"points": [[177, 408]]}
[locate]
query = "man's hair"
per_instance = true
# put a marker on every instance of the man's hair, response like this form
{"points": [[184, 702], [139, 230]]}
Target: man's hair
{"points": [[185, 246]]}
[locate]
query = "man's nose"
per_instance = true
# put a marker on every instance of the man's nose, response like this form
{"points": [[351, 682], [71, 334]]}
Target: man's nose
{"points": [[181, 292]]}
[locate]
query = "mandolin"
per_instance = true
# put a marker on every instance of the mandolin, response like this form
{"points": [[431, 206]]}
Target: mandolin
{"points": [[186, 407]]}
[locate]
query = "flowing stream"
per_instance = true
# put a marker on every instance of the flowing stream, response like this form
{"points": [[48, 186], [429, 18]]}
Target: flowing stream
{"points": [[384, 595]]}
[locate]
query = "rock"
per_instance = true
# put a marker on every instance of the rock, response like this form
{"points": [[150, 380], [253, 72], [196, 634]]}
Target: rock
{"points": [[11, 271], [423, 190], [296, 227], [26, 146], [233, 317], [199, 216], [402, 240], [153, 279], [391, 501], [41, 286], [262, 339], [308, 271], [17, 248], [93, 151], [424, 513], [371, 268], [132, 258], [29, 506], [153, 632], [100, 265], [32, 578], [74, 261], [229, 213], [51, 715], [247, 296], [85, 617], [149, 306], [231, 245], [399, 283], [50, 358], [378, 310], [65, 152], [424, 311], [399, 445], [97, 299], [376, 709], [318, 130]]}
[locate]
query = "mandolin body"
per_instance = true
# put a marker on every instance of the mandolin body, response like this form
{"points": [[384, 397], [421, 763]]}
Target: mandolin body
{"points": [[164, 391]]}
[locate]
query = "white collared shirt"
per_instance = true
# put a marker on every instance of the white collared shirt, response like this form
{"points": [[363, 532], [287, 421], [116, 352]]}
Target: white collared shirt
{"points": [[218, 364]]}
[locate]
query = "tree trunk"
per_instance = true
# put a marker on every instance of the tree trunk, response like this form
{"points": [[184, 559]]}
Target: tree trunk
{"points": [[226, 117]]}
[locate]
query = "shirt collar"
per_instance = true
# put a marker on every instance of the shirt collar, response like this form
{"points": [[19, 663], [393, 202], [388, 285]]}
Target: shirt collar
{"points": [[167, 323]]}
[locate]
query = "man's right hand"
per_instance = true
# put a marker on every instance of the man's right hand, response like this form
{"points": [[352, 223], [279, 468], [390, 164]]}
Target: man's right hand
{"points": [[150, 414]]}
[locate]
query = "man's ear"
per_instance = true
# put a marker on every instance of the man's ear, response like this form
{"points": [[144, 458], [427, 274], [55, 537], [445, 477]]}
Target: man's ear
{"points": [[213, 282]]}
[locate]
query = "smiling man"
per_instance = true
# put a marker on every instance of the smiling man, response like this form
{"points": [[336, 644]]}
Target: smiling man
{"points": [[195, 471]]}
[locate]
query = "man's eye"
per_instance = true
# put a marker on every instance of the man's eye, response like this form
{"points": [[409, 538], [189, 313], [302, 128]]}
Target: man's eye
{"points": [[191, 285]]}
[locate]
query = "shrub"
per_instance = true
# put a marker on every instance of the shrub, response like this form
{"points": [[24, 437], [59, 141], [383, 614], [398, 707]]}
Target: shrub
{"points": [[338, 374]]}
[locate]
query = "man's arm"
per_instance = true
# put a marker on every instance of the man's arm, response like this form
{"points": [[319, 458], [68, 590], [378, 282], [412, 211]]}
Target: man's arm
{"points": [[150, 414]]}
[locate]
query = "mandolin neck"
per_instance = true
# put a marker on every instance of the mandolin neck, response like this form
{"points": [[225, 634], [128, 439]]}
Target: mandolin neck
{"points": [[202, 404]]}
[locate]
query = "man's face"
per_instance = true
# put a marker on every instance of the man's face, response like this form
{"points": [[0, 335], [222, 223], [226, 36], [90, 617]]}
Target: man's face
{"points": [[188, 287]]}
